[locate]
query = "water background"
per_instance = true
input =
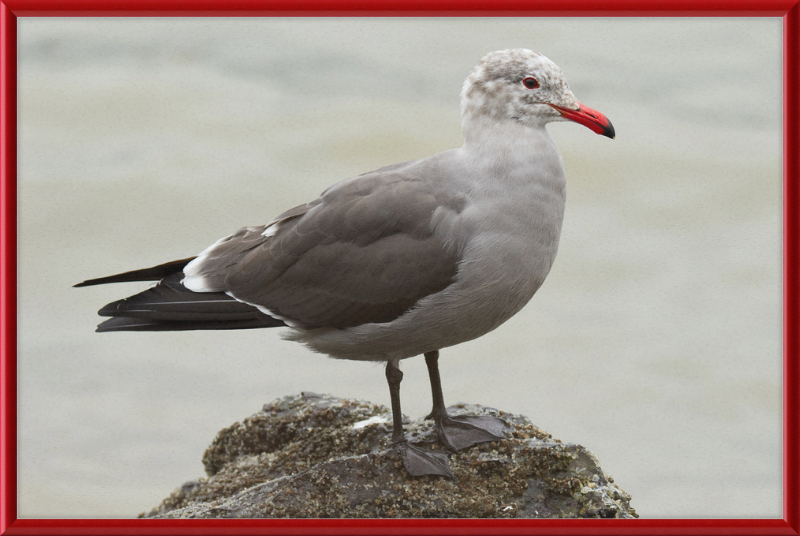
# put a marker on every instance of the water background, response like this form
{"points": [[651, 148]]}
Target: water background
{"points": [[655, 342]]}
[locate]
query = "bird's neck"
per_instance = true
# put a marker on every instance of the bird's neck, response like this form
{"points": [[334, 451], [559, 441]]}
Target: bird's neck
{"points": [[516, 151], [518, 172], [488, 135]]}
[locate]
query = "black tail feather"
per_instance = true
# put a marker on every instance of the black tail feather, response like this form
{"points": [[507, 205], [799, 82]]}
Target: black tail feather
{"points": [[169, 306], [126, 323], [171, 301]]}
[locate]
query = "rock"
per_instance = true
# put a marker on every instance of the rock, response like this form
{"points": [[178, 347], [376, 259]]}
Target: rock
{"points": [[316, 456]]}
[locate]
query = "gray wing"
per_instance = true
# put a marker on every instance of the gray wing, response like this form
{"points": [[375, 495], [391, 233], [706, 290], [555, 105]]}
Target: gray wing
{"points": [[363, 252]]}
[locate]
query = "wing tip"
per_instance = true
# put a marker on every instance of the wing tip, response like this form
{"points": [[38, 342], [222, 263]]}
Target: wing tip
{"points": [[154, 273]]}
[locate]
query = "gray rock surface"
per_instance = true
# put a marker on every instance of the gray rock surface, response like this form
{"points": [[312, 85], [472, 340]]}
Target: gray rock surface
{"points": [[317, 456]]}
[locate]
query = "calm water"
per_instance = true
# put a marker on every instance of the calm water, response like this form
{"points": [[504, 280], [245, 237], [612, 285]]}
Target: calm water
{"points": [[655, 341]]}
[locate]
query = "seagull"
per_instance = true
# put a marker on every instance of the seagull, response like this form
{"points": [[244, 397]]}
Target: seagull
{"points": [[401, 261]]}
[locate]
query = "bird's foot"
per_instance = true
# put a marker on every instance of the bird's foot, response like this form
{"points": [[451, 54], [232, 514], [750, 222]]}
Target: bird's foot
{"points": [[421, 462], [458, 433]]}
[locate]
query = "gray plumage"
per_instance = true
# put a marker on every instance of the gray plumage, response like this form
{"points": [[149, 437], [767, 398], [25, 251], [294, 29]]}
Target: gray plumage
{"points": [[402, 261], [415, 256]]}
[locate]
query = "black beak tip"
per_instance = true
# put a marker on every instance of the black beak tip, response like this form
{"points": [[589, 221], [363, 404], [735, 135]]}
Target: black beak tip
{"points": [[609, 131]]}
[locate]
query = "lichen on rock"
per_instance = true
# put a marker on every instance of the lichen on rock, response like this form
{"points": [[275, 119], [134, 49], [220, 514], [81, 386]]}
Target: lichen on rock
{"points": [[318, 456]]}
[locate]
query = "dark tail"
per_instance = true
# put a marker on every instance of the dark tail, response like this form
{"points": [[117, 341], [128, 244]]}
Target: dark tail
{"points": [[169, 306]]}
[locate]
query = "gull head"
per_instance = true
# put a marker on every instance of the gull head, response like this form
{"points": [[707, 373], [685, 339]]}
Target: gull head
{"points": [[523, 86]]}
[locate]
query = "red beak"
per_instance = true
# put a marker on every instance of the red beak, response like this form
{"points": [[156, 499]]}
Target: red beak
{"points": [[587, 117]]}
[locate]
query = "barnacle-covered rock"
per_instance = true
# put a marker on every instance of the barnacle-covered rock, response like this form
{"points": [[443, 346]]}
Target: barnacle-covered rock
{"points": [[313, 456]]}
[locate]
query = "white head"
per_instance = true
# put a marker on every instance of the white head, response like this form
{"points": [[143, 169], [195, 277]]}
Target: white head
{"points": [[523, 86]]}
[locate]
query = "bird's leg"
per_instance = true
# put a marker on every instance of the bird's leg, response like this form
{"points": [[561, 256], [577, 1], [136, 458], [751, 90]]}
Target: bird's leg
{"points": [[458, 432], [417, 461], [394, 376]]}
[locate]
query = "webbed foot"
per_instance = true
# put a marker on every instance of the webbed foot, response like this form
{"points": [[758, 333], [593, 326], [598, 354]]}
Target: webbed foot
{"points": [[421, 462], [458, 433]]}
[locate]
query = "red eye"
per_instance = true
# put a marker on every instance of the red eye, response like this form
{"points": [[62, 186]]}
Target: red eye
{"points": [[530, 83]]}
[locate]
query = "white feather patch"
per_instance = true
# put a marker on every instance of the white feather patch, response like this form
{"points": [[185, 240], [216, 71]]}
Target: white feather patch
{"points": [[271, 230], [192, 280], [197, 284]]}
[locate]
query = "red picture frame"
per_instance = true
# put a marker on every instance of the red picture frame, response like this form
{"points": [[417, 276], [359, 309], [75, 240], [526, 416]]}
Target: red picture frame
{"points": [[789, 10]]}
